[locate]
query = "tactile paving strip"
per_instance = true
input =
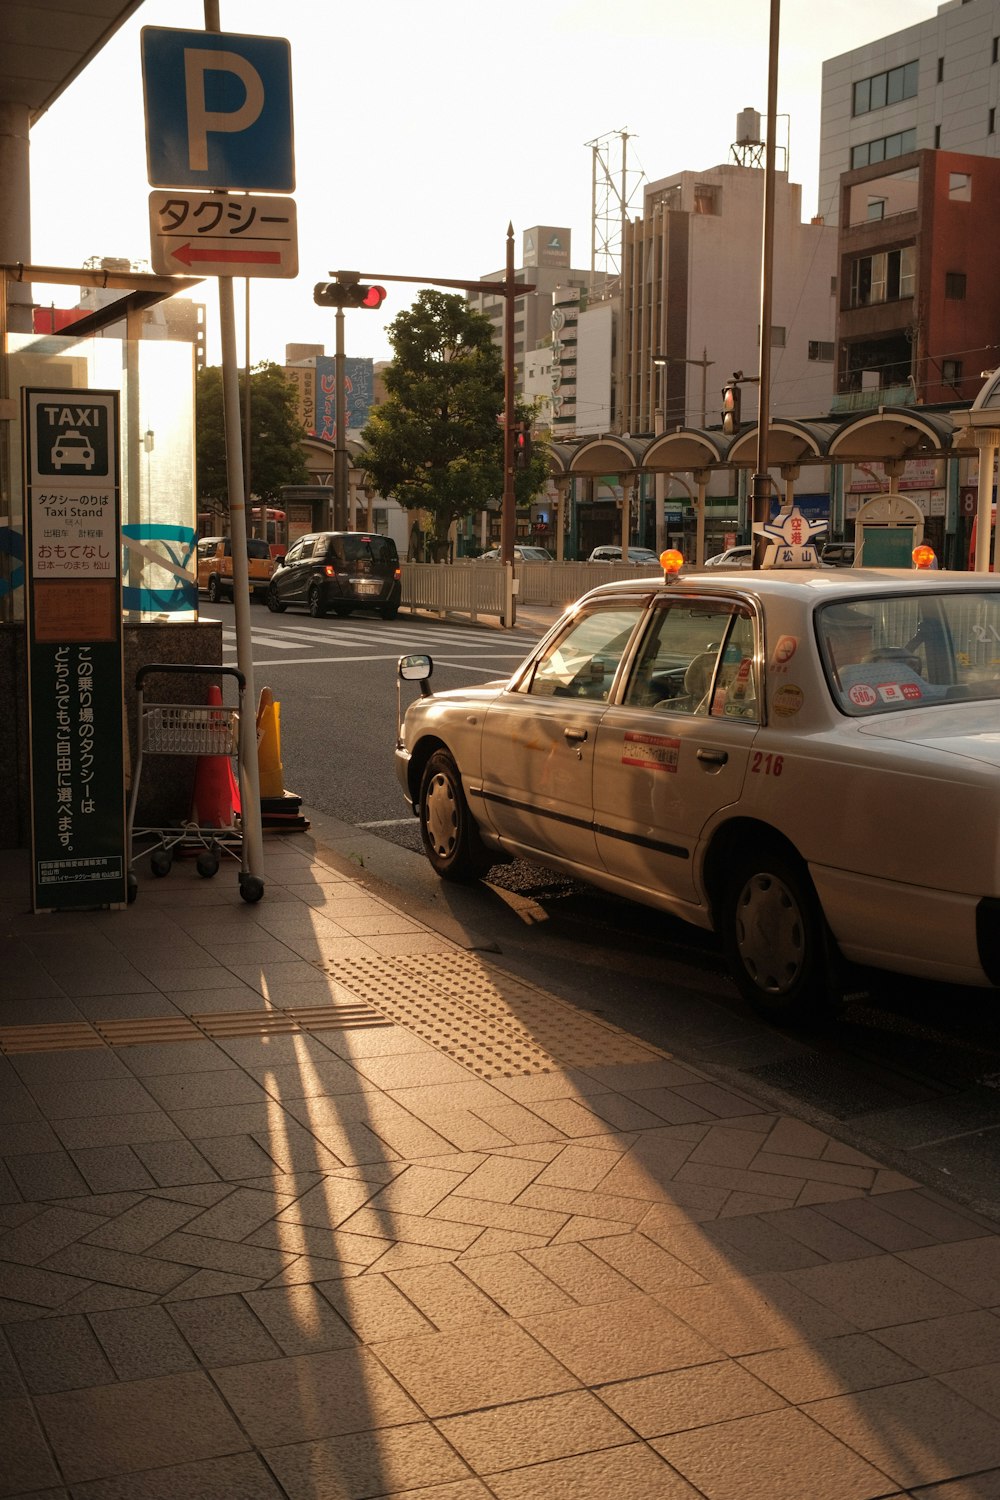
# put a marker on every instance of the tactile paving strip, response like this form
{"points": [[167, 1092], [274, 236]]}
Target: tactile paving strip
{"points": [[70, 1036], [495, 1025]]}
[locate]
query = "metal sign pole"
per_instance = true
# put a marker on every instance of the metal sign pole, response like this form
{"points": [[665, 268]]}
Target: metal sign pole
{"points": [[250, 796]]}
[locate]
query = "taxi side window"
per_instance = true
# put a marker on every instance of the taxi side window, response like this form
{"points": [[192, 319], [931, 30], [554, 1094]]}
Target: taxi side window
{"points": [[698, 659], [583, 661]]}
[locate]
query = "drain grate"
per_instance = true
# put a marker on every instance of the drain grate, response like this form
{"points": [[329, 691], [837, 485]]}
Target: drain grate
{"points": [[495, 1026], [71, 1036]]}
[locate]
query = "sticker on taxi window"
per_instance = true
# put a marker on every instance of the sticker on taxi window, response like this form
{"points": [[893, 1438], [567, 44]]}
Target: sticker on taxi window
{"points": [[785, 649], [897, 692], [787, 700], [863, 696], [652, 751]]}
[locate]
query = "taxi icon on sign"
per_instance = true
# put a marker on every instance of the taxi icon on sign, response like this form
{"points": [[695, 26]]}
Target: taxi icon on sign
{"points": [[74, 449]]}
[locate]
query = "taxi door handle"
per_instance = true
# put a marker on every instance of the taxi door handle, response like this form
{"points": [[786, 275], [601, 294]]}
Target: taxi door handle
{"points": [[575, 736], [713, 757]]}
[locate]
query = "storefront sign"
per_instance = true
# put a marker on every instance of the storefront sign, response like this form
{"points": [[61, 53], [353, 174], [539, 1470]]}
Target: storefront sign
{"points": [[75, 668]]}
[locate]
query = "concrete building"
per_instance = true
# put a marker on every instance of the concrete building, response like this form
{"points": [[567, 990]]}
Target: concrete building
{"points": [[545, 265], [933, 86], [692, 296], [919, 316]]}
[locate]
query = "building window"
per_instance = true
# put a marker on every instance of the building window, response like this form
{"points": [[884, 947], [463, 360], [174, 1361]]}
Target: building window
{"points": [[821, 350], [876, 208], [885, 277], [960, 187], [992, 123], [951, 371], [887, 88], [937, 137], [940, 77], [996, 49], [954, 285], [883, 149], [706, 198], [777, 336]]}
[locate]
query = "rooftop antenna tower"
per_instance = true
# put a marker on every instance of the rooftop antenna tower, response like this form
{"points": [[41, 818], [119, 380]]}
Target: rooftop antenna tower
{"points": [[614, 188]]}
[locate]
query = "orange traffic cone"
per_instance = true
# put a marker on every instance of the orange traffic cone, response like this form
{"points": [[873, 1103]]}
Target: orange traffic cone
{"points": [[216, 794]]}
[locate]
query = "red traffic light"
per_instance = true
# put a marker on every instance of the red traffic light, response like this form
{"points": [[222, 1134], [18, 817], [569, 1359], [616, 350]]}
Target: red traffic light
{"points": [[374, 296]]}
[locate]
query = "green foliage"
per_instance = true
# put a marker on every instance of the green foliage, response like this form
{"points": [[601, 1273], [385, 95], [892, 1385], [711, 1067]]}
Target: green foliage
{"points": [[277, 453], [434, 444]]}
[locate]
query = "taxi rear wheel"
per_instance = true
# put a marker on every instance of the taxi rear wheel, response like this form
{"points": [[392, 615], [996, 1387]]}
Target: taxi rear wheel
{"points": [[447, 828], [214, 590], [780, 951]]}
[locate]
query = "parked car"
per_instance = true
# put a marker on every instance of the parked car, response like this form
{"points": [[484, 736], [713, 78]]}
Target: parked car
{"points": [[806, 763], [733, 557], [636, 555], [838, 555], [340, 571], [521, 554], [215, 567]]}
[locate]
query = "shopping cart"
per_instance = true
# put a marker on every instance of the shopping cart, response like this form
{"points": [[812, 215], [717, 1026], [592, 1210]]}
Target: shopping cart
{"points": [[190, 729]]}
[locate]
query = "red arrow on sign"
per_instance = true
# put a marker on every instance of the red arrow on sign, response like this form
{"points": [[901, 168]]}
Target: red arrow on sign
{"points": [[189, 253]]}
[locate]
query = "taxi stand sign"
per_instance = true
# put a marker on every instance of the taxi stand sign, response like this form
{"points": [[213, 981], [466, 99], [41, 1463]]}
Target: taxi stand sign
{"points": [[75, 648], [222, 234]]}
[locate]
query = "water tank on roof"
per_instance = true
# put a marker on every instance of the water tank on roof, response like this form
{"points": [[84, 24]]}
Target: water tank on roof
{"points": [[748, 127]]}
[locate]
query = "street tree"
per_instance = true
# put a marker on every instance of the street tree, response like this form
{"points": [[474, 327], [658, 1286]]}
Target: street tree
{"points": [[277, 452], [436, 444]]}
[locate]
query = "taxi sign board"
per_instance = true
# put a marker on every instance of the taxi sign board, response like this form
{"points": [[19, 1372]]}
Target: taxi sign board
{"points": [[218, 110], [75, 648], [221, 234]]}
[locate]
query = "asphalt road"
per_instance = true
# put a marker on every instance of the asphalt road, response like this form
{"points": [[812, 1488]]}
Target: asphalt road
{"points": [[909, 1072]]}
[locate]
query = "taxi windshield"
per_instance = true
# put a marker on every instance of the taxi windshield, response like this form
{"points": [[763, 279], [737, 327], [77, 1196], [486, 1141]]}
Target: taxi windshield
{"points": [[885, 654]]}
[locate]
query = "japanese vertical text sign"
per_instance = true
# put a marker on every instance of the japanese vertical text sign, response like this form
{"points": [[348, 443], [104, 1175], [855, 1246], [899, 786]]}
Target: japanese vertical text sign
{"points": [[75, 665], [218, 110]]}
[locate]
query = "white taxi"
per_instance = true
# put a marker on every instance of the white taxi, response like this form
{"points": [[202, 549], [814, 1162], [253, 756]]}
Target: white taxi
{"points": [[807, 763]]}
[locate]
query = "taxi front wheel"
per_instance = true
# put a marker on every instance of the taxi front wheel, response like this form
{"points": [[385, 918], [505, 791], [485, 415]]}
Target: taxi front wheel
{"points": [[780, 951], [447, 828]]}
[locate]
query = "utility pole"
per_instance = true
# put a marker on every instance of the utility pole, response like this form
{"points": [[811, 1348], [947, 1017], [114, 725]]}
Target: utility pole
{"points": [[761, 494]]}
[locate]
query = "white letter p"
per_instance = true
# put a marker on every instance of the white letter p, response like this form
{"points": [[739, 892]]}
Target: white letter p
{"points": [[200, 120]]}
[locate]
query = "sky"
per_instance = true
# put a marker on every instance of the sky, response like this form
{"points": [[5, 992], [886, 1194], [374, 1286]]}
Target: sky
{"points": [[422, 130]]}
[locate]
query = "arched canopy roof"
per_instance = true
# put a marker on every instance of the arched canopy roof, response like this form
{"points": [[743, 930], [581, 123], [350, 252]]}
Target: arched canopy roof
{"points": [[892, 432], [789, 442], [607, 454], [684, 449], [989, 397], [560, 458]]}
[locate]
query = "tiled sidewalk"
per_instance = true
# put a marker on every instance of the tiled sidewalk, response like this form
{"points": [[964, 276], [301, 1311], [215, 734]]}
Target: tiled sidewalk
{"points": [[301, 1200]]}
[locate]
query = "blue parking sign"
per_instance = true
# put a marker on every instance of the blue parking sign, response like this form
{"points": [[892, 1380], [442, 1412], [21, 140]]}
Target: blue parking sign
{"points": [[218, 110]]}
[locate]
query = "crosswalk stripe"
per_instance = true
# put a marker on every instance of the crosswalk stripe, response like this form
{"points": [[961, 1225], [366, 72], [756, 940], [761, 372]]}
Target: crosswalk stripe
{"points": [[296, 638]]}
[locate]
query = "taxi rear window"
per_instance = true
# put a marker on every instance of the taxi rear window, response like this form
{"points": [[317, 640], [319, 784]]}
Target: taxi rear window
{"points": [[883, 655]]}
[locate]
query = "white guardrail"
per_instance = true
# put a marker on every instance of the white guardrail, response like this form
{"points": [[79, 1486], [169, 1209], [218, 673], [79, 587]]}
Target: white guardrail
{"points": [[473, 589]]}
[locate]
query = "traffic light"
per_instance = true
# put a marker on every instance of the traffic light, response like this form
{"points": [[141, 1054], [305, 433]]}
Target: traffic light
{"points": [[348, 294], [522, 448], [731, 407]]}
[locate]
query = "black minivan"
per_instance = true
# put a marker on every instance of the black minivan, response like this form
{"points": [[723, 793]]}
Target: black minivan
{"points": [[340, 571]]}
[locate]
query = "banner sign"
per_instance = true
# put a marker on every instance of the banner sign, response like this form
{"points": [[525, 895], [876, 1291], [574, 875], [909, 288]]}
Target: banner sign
{"points": [[75, 648]]}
